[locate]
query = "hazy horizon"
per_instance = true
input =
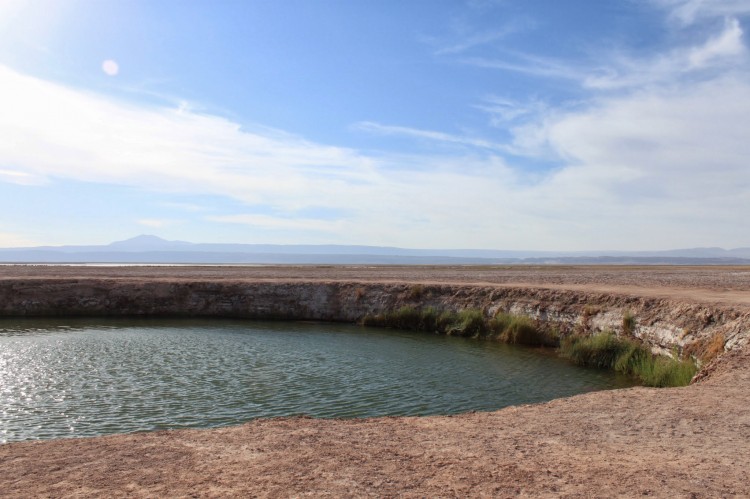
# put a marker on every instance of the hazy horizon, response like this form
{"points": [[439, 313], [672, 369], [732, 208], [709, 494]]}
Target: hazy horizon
{"points": [[212, 252], [478, 124]]}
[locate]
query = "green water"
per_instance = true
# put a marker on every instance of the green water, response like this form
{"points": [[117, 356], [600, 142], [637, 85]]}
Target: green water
{"points": [[74, 378]]}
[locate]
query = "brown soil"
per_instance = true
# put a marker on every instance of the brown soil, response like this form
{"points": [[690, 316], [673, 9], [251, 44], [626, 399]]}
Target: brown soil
{"points": [[680, 442]]}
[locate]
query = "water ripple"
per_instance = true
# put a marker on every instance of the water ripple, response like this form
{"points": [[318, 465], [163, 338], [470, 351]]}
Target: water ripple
{"points": [[91, 377]]}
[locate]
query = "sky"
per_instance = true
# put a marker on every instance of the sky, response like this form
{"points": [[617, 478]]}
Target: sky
{"points": [[487, 124]]}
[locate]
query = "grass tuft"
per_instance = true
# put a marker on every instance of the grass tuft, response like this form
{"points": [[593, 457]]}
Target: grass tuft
{"points": [[427, 319], [599, 350], [714, 347], [603, 350], [468, 323], [607, 351], [664, 371], [520, 330], [628, 323], [707, 349]]}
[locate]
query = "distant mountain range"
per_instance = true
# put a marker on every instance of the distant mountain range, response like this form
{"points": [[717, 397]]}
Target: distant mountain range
{"points": [[153, 249]]}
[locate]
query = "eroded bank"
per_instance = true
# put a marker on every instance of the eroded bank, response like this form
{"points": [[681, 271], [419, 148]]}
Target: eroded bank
{"points": [[666, 325]]}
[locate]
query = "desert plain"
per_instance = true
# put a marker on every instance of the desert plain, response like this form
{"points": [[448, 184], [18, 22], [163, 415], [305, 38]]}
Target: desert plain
{"points": [[692, 441]]}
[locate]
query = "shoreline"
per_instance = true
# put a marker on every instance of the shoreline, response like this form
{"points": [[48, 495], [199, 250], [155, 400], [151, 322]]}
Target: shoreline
{"points": [[677, 442]]}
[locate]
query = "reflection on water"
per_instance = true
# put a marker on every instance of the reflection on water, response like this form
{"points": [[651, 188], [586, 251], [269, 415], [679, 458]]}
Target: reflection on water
{"points": [[84, 377]]}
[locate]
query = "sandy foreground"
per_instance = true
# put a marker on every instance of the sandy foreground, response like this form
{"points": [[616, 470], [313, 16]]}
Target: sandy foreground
{"points": [[682, 442]]}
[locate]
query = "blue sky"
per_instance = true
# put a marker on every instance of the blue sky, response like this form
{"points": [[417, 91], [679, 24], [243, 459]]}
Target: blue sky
{"points": [[540, 125]]}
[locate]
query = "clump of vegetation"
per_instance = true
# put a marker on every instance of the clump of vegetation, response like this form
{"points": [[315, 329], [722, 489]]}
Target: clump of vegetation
{"points": [[714, 347], [520, 330], [586, 315], [416, 291], [604, 350], [665, 371], [607, 351], [470, 323], [628, 323], [707, 349], [590, 311], [403, 318], [600, 350]]}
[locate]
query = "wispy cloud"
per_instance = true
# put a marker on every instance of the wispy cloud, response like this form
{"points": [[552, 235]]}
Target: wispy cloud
{"points": [[479, 39], [431, 135], [465, 37], [50, 131], [728, 44], [504, 111], [530, 65], [723, 50], [688, 12]]}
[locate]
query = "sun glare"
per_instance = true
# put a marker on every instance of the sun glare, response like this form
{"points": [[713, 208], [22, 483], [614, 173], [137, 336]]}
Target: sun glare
{"points": [[110, 67]]}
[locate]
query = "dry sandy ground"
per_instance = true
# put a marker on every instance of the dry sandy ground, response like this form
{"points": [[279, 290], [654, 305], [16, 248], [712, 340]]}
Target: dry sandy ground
{"points": [[682, 442], [730, 284]]}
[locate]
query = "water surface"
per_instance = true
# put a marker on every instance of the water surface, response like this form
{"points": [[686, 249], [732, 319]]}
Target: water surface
{"points": [[85, 377]]}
